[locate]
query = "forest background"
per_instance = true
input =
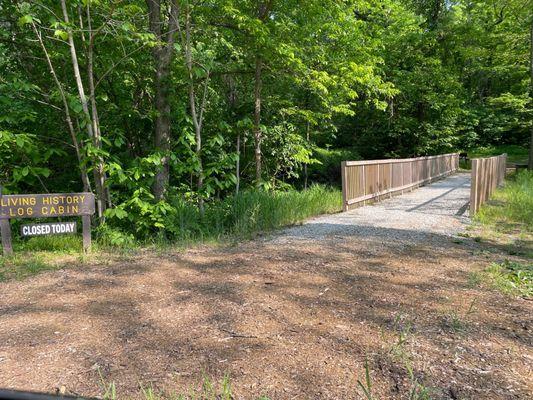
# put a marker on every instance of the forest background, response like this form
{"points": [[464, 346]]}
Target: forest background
{"points": [[184, 117]]}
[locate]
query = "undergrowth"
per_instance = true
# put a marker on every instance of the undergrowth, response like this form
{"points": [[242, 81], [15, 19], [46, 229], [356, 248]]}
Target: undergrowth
{"points": [[399, 353]]}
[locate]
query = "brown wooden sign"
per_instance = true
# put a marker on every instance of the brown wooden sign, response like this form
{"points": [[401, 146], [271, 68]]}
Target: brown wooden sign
{"points": [[46, 206]]}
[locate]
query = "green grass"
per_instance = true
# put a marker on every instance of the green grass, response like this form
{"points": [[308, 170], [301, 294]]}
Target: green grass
{"points": [[250, 213], [511, 207], [514, 153], [207, 391], [509, 277], [20, 266]]}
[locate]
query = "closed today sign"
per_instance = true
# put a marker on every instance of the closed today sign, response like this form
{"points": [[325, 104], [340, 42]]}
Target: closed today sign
{"points": [[56, 228]]}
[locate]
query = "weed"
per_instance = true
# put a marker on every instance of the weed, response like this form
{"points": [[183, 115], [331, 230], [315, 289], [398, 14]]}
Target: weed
{"points": [[511, 278], [453, 322], [417, 391], [457, 323], [366, 387], [207, 391]]}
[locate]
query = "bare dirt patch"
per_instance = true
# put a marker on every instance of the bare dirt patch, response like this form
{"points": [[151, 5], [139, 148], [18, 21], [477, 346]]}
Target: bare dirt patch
{"points": [[287, 318]]}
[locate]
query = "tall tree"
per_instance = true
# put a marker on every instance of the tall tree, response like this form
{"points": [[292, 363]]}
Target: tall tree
{"points": [[163, 24]]}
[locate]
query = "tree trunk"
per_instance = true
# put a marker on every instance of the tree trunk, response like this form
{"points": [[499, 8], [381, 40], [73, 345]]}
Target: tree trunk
{"points": [[162, 55], [100, 175], [530, 164], [262, 13], [83, 171], [257, 118], [100, 195], [197, 116], [238, 164], [307, 137]]}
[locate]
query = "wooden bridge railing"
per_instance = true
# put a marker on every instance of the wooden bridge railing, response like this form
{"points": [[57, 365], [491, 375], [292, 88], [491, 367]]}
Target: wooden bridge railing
{"points": [[377, 179], [487, 175]]}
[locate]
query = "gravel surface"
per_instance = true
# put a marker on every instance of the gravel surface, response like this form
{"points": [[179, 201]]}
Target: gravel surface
{"points": [[437, 209]]}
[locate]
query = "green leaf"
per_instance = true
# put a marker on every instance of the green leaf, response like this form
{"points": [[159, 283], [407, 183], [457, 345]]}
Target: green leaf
{"points": [[25, 19], [61, 34]]}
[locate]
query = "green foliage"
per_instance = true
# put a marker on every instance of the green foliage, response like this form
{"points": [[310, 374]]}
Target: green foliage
{"points": [[387, 78], [251, 212], [514, 153], [108, 236], [327, 169], [56, 243]]}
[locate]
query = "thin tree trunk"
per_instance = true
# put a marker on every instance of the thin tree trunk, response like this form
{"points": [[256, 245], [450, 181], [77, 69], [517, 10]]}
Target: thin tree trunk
{"points": [[100, 176], [238, 164], [162, 55], [262, 13], [100, 201], [83, 171], [257, 118], [307, 137], [197, 117], [530, 164]]}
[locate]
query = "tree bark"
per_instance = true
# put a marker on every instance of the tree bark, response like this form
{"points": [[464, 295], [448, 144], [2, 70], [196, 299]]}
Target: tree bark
{"points": [[308, 138], [100, 195], [238, 164], [258, 83], [262, 13], [530, 164], [162, 55], [100, 175], [197, 116]]}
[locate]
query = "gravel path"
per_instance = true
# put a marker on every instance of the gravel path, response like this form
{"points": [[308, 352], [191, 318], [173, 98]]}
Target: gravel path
{"points": [[437, 209]]}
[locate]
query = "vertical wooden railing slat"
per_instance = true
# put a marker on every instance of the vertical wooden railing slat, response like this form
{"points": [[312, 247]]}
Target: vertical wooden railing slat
{"points": [[486, 175]]}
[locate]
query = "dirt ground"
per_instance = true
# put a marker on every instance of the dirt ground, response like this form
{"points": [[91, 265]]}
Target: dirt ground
{"points": [[287, 317]]}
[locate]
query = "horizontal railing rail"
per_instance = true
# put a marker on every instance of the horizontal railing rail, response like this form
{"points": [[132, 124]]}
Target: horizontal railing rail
{"points": [[373, 180]]}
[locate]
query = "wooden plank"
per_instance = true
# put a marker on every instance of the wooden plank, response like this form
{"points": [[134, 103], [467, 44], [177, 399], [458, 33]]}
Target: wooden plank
{"points": [[86, 232], [5, 231], [344, 186], [473, 187]]}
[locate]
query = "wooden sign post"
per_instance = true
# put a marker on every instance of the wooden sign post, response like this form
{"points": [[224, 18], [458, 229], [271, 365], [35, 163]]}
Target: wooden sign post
{"points": [[46, 206]]}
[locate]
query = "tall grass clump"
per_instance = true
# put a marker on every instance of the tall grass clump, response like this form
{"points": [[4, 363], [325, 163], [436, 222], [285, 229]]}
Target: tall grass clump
{"points": [[261, 211], [512, 205], [250, 212]]}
